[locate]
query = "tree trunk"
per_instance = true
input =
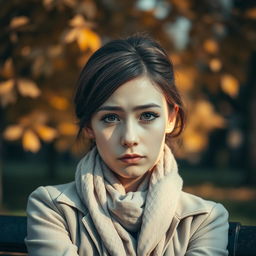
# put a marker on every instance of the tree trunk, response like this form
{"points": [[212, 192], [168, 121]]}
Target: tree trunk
{"points": [[1, 155], [52, 164], [250, 102]]}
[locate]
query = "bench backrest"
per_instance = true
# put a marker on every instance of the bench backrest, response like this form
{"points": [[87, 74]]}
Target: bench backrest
{"points": [[13, 229]]}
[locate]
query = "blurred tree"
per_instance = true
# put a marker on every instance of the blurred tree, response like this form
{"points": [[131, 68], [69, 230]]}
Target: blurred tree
{"points": [[44, 44], [42, 47]]}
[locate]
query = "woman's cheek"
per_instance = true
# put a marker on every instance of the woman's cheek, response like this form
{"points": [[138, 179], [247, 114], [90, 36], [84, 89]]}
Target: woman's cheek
{"points": [[106, 133], [158, 128]]}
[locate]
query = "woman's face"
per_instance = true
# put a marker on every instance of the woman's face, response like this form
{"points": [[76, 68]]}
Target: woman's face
{"points": [[130, 127]]}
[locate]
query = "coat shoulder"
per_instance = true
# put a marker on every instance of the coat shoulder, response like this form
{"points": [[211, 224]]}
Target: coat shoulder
{"points": [[61, 195], [57, 190], [190, 204], [53, 191]]}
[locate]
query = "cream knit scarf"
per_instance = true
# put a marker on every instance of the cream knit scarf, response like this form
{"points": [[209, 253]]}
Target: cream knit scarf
{"points": [[133, 223]]}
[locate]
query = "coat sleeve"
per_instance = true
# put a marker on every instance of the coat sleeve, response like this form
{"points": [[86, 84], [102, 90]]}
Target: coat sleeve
{"points": [[211, 237], [47, 232]]}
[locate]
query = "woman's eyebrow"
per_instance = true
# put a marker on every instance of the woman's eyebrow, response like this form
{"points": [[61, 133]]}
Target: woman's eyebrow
{"points": [[116, 108]]}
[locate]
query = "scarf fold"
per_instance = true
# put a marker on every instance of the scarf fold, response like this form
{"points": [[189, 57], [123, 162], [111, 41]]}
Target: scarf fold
{"points": [[133, 223]]}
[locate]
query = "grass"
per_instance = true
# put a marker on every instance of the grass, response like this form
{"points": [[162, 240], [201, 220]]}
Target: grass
{"points": [[21, 178]]}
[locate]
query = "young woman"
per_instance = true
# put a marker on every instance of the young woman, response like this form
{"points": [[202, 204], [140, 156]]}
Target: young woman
{"points": [[127, 196]]}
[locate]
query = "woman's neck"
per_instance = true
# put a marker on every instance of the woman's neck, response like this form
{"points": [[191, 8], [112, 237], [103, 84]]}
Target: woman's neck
{"points": [[132, 184]]}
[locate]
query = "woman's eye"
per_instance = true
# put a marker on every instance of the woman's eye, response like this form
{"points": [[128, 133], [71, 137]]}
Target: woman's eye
{"points": [[110, 118], [148, 116]]}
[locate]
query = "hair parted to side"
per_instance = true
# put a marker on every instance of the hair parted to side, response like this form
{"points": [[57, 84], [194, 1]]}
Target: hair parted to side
{"points": [[118, 62]]}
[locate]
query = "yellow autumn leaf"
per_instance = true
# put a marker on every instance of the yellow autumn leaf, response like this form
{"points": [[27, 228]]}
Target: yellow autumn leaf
{"points": [[94, 41], [13, 132], [71, 35], [78, 21], [18, 22], [194, 142], [8, 70], [46, 133], [205, 117], [230, 85], [88, 39], [6, 86], [204, 108], [82, 39], [30, 141], [211, 46], [185, 78], [215, 65], [59, 102], [28, 88], [67, 129]]}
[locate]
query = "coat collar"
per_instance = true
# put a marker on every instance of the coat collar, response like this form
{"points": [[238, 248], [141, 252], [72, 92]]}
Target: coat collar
{"points": [[69, 196], [188, 204]]}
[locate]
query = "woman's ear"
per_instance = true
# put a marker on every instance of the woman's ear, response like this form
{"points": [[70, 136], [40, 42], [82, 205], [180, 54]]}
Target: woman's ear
{"points": [[172, 119], [88, 131]]}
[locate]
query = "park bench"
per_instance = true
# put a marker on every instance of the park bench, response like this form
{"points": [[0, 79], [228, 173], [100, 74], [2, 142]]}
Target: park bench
{"points": [[242, 239]]}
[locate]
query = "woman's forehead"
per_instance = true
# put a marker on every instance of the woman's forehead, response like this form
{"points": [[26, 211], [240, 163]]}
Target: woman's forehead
{"points": [[138, 91]]}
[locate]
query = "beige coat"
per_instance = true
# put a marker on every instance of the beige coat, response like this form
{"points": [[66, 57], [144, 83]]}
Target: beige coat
{"points": [[60, 225]]}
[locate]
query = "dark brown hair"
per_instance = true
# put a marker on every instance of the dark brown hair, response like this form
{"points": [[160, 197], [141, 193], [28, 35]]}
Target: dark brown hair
{"points": [[118, 62]]}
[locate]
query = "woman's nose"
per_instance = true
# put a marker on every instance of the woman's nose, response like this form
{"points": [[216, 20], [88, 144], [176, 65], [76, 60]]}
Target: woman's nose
{"points": [[129, 135]]}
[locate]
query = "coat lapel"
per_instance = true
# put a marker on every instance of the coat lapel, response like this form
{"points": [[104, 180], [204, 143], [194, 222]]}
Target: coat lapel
{"points": [[88, 224], [70, 197], [188, 205], [171, 231]]}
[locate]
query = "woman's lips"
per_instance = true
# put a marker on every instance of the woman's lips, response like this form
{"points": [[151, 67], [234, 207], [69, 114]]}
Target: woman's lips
{"points": [[131, 159]]}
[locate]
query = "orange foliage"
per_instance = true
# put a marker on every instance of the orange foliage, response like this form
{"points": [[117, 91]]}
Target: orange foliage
{"points": [[85, 37], [13, 132], [67, 129], [46, 133], [230, 85], [8, 68], [6, 87], [215, 65], [59, 102], [28, 88], [17, 22], [76, 32], [211, 46], [30, 141]]}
